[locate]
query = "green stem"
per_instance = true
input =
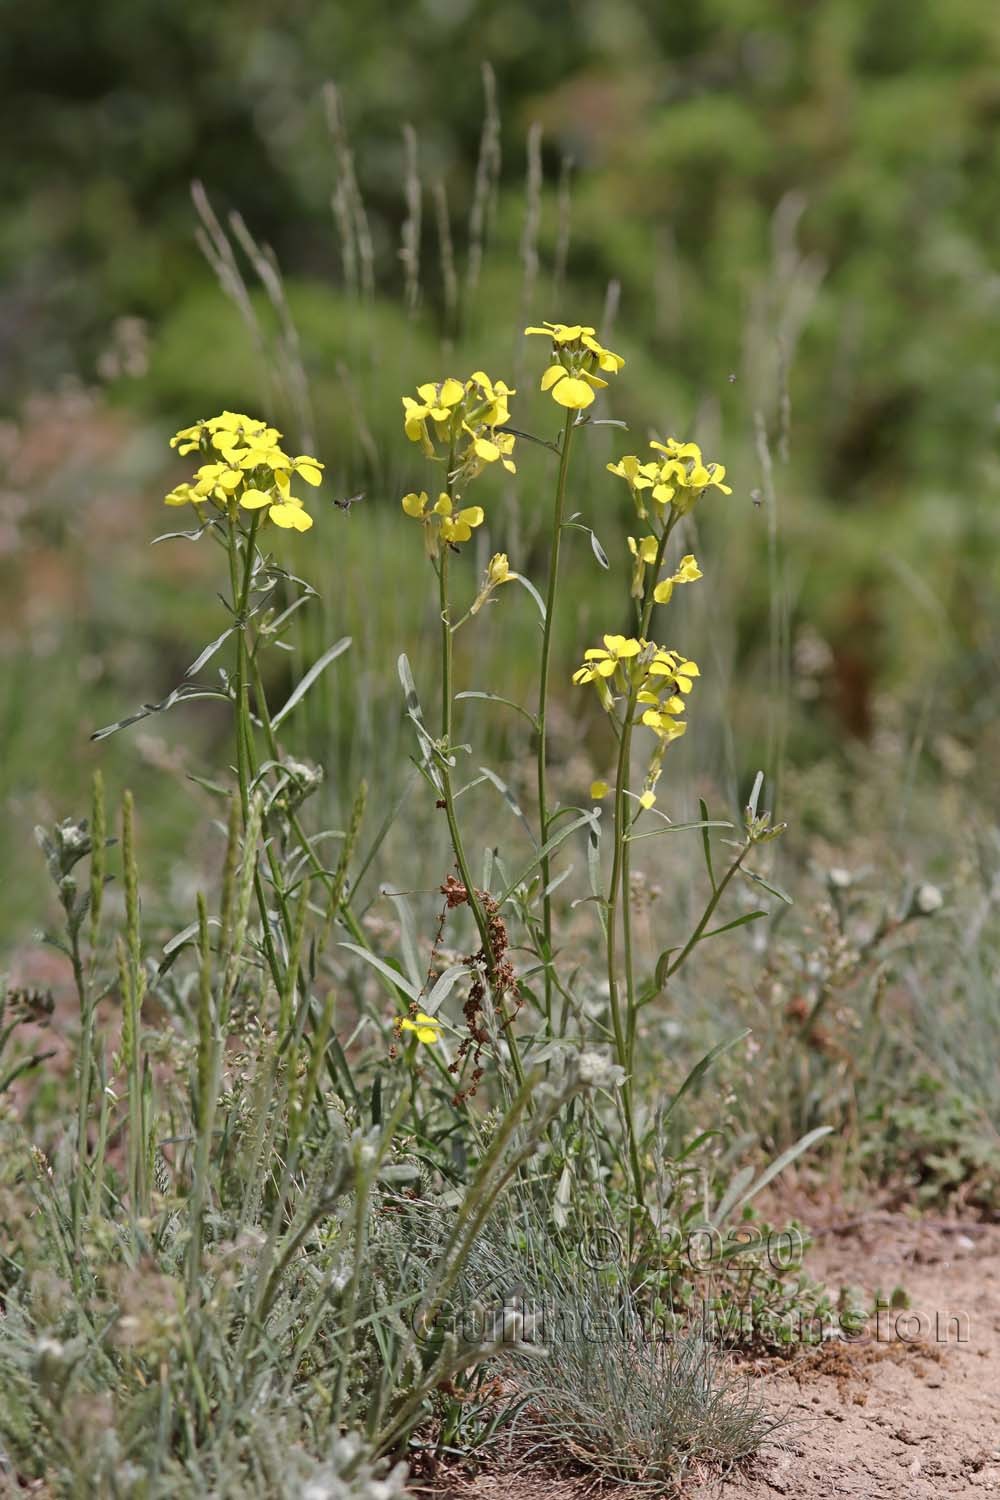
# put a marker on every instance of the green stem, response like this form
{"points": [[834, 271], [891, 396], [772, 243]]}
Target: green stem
{"points": [[244, 728], [83, 1100], [543, 691], [619, 1027], [645, 617], [707, 914], [448, 798]]}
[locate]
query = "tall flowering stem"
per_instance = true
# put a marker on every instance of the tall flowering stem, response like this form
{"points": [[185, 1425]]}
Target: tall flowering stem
{"points": [[621, 1025], [543, 693], [466, 419], [645, 617], [244, 469], [578, 365], [641, 683], [448, 798]]}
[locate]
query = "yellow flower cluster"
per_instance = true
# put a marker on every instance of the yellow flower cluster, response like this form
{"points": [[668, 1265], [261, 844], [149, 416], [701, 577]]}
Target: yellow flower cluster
{"points": [[678, 479], [441, 521], [577, 356], [660, 680], [644, 555], [464, 417], [247, 470]]}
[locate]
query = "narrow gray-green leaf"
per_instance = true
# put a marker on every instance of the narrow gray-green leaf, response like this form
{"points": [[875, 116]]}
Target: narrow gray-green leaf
{"points": [[768, 885], [509, 798], [547, 848], [408, 936], [700, 1069], [526, 583], [778, 1165], [314, 671], [444, 985], [676, 828], [411, 991], [748, 916], [496, 698]]}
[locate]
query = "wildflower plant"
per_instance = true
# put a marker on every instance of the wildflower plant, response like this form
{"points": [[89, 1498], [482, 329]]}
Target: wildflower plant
{"points": [[644, 688], [266, 1182]]}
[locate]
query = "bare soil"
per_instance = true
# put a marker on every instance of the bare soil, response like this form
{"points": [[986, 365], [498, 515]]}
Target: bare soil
{"points": [[913, 1411]]}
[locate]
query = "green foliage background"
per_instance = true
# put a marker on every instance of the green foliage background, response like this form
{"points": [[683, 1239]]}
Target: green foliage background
{"points": [[705, 139]]}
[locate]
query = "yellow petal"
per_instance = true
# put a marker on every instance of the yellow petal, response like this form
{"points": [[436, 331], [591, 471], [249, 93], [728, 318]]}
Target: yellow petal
{"points": [[598, 789], [254, 499], [573, 393], [287, 515], [309, 469], [414, 504], [552, 374], [181, 494]]}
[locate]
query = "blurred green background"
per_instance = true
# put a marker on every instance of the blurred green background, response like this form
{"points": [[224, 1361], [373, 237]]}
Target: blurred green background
{"points": [[783, 214]]}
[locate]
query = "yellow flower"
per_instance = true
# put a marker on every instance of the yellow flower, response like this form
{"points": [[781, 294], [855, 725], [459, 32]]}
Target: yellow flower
{"points": [[687, 572], [458, 525], [217, 482], [598, 789], [665, 727], [281, 508], [182, 494], [647, 799], [428, 1028], [604, 661], [492, 393], [441, 397], [613, 660], [442, 520], [702, 478], [415, 417], [188, 440], [571, 391], [674, 449], [668, 664], [638, 475], [498, 571], [645, 553], [572, 378], [415, 504], [261, 450]]}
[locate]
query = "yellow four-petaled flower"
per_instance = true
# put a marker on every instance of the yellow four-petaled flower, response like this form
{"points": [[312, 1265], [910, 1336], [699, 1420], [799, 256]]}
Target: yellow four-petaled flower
{"points": [[428, 1029], [572, 377]]}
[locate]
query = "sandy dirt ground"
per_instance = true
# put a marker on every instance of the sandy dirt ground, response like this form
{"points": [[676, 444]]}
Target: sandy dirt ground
{"points": [[913, 1412]]}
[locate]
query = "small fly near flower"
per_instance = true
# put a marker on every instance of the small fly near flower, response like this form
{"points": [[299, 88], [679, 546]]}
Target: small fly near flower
{"points": [[757, 498], [350, 500]]}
